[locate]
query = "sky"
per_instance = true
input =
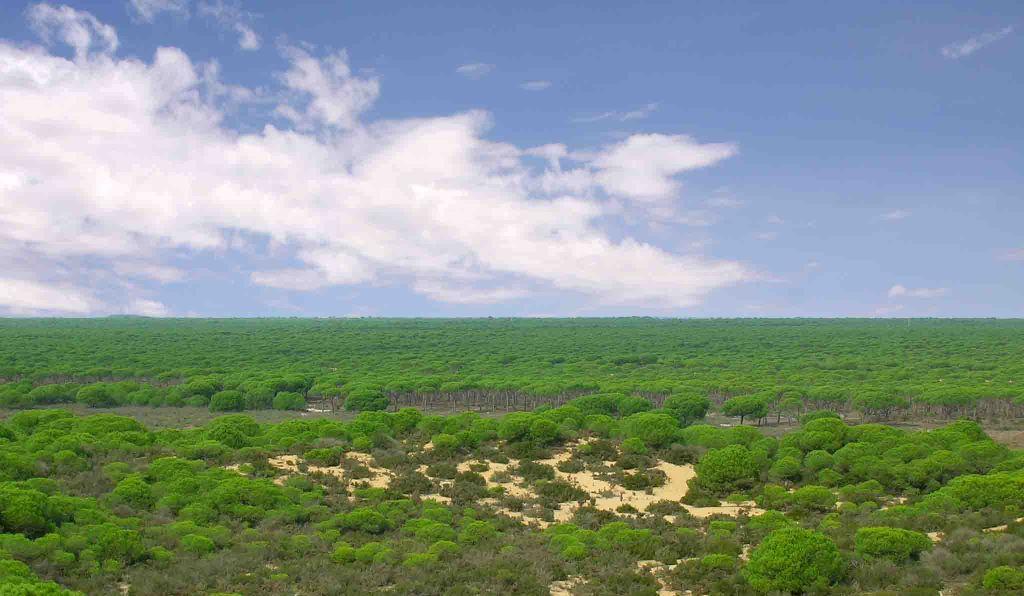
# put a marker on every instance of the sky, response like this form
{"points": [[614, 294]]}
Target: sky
{"points": [[699, 159]]}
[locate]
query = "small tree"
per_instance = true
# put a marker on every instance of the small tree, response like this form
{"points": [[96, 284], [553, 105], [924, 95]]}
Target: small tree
{"points": [[687, 408], [366, 400], [794, 560], [748, 406], [728, 469]]}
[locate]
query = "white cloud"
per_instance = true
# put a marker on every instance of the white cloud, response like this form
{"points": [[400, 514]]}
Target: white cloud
{"points": [[28, 297], [536, 85], [77, 29], [903, 291], [231, 16], [147, 308], [443, 292], [148, 10], [475, 70], [967, 47], [895, 215], [335, 96], [247, 38], [145, 169], [775, 220], [766, 236], [644, 166]]}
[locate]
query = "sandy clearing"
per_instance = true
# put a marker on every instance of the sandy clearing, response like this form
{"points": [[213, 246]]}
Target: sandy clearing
{"points": [[379, 477], [609, 497], [565, 586]]}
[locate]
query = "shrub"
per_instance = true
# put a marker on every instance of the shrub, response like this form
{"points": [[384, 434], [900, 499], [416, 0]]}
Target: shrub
{"points": [[227, 401], [634, 446], [445, 445], [794, 560], [134, 491], [1004, 579], [653, 428], [896, 544], [645, 479], [324, 457], [560, 491], [813, 498], [727, 469], [477, 531], [532, 471], [364, 519], [197, 544]]}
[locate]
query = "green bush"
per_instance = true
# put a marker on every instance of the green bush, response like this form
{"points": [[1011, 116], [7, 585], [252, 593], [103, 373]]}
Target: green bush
{"points": [[227, 401], [1004, 579], [896, 544], [196, 544], [794, 560], [288, 400]]}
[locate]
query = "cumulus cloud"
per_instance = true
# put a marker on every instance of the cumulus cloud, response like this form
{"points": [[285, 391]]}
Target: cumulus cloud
{"points": [[77, 29], [335, 96], [961, 49], [903, 291], [443, 292], [643, 167], [147, 308], [29, 297], [148, 10], [536, 85], [475, 70], [145, 169]]}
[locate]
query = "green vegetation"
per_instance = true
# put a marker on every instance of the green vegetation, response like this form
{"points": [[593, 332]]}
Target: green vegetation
{"points": [[751, 369], [603, 477]]}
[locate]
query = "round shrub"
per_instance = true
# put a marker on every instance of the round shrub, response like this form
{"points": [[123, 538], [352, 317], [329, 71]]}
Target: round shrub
{"points": [[896, 544], [196, 544], [227, 401], [794, 560]]}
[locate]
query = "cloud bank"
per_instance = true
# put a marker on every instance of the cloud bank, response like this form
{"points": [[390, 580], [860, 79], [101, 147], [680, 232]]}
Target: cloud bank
{"points": [[144, 169]]}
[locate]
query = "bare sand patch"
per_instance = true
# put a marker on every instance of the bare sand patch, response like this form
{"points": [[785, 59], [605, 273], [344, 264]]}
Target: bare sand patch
{"points": [[379, 477], [609, 497], [565, 586]]}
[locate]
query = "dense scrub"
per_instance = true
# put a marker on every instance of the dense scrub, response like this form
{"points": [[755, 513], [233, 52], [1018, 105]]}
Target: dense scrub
{"points": [[750, 369], [415, 504]]}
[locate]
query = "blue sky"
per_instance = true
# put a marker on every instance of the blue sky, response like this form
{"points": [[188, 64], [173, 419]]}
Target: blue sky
{"points": [[535, 159]]}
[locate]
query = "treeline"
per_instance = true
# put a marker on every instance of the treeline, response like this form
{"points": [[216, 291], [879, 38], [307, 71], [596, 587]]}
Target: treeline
{"points": [[227, 393], [882, 369]]}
